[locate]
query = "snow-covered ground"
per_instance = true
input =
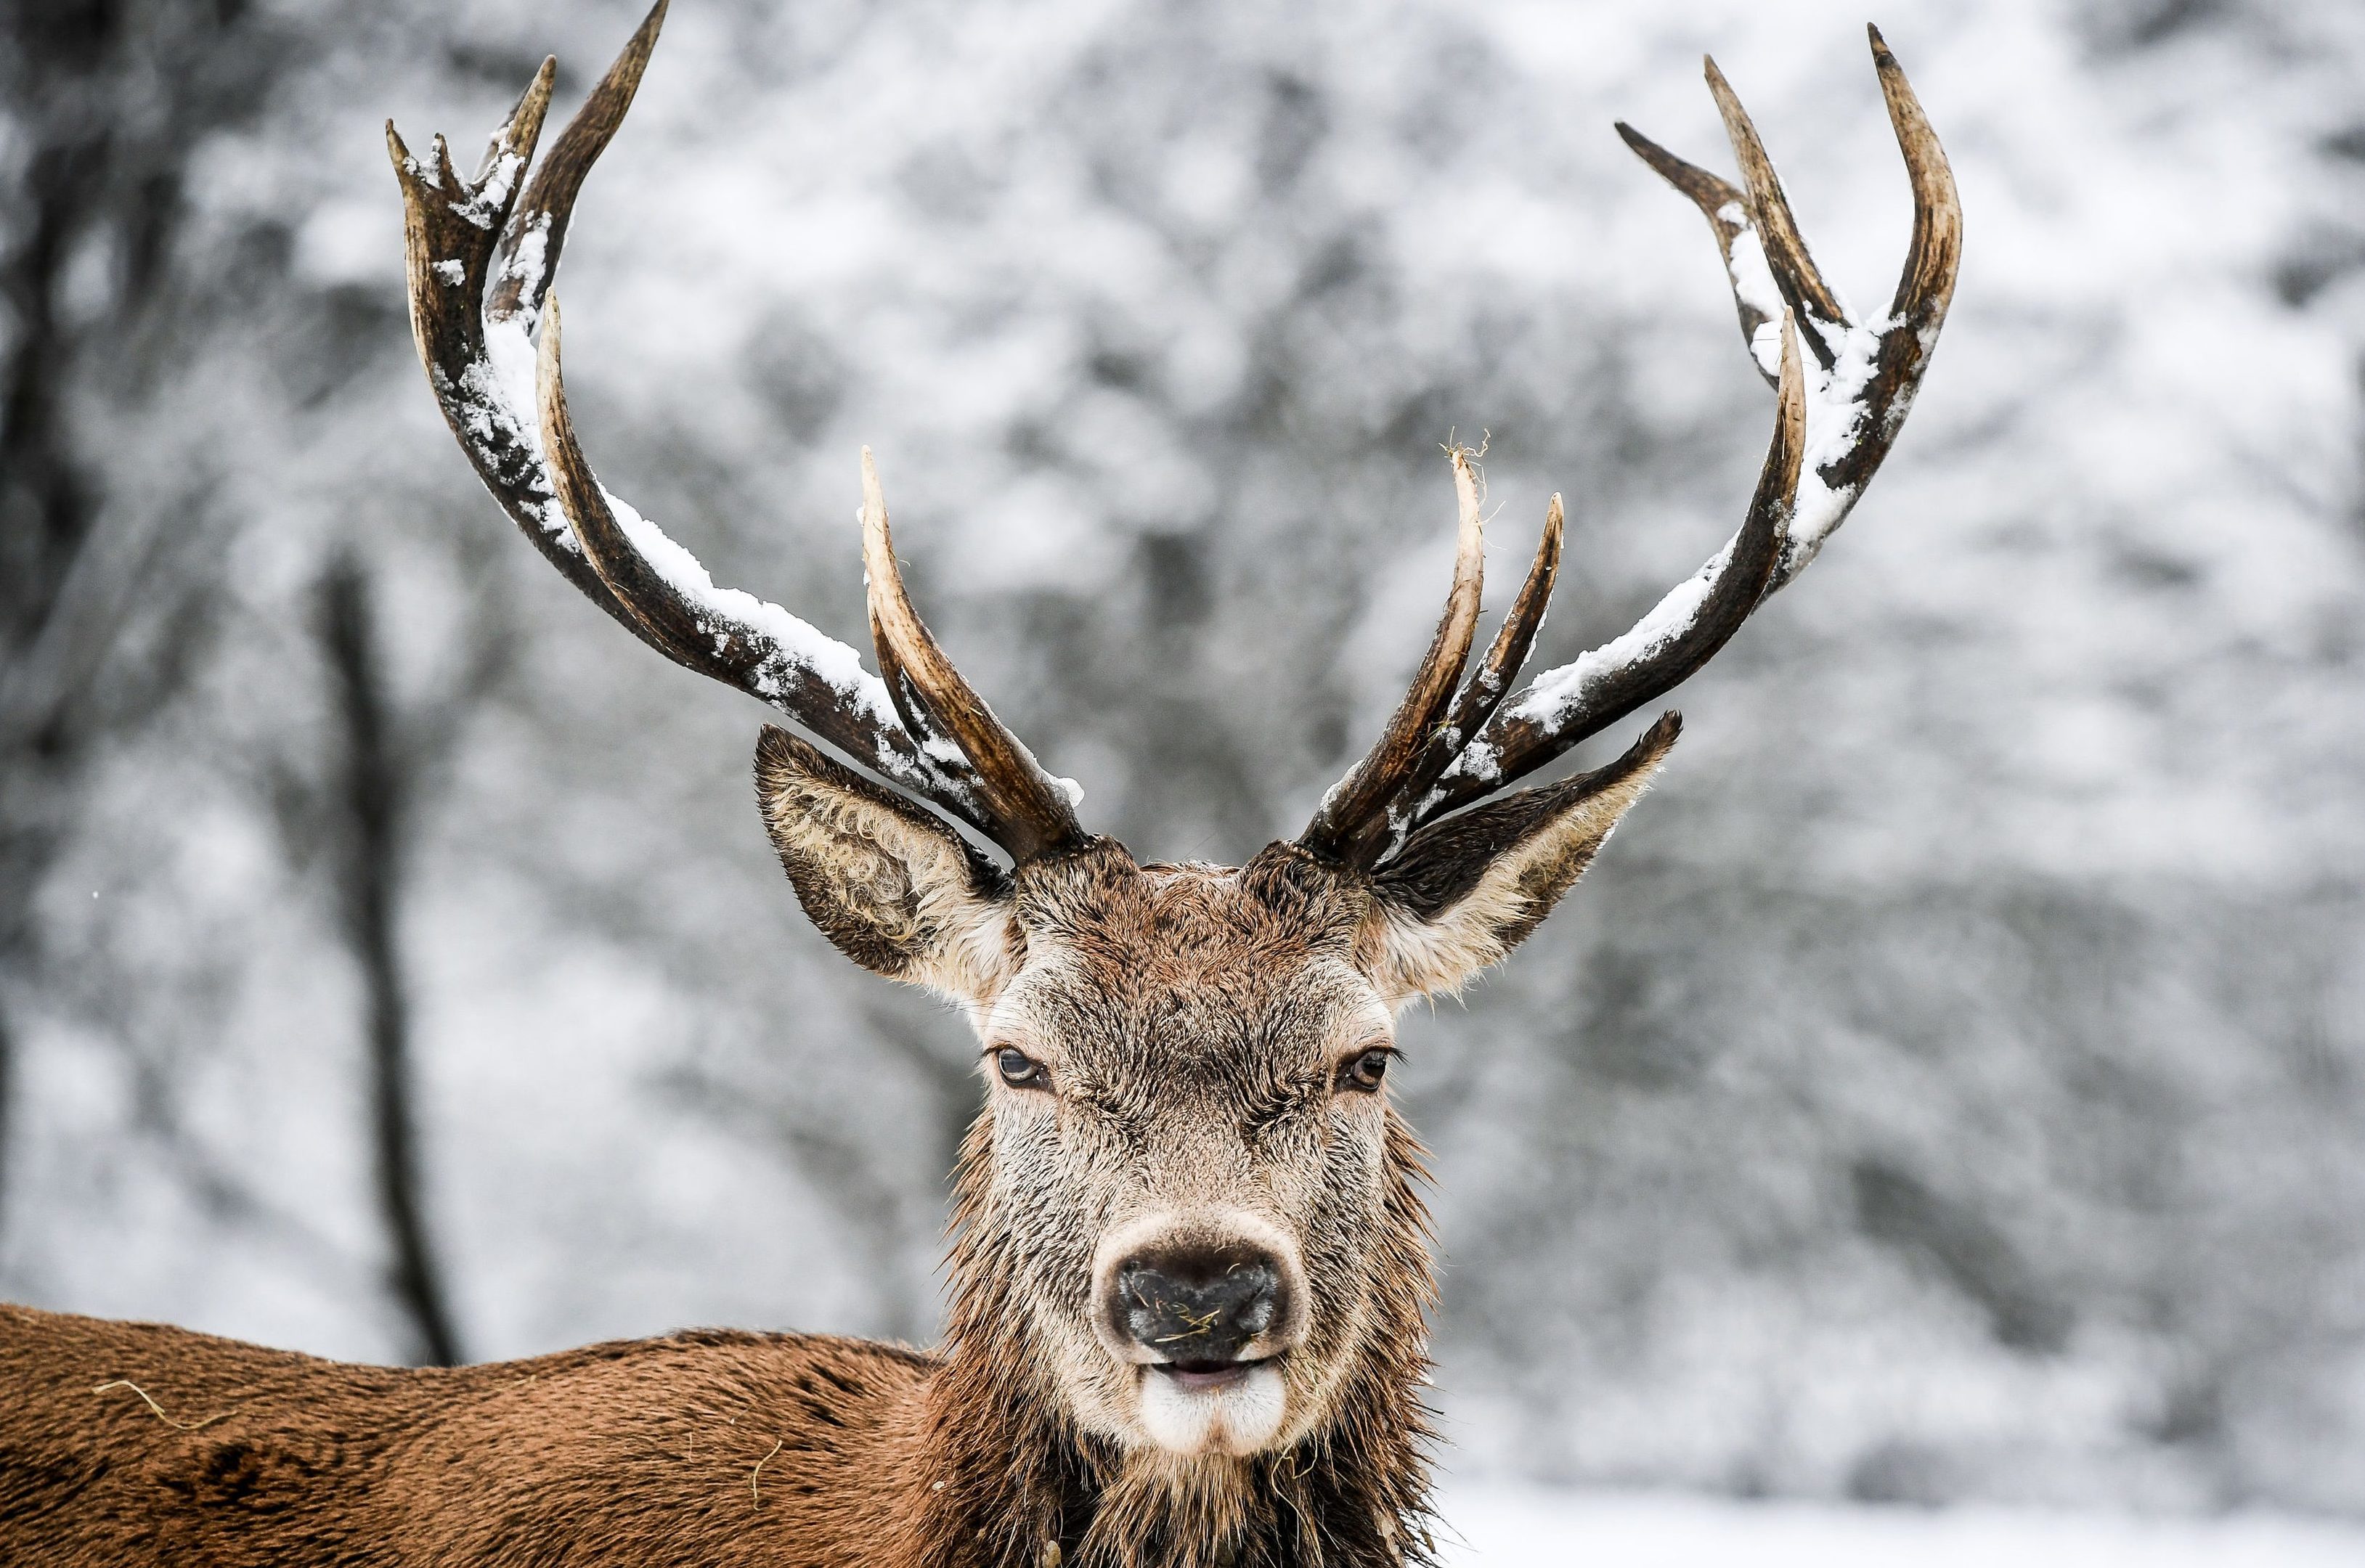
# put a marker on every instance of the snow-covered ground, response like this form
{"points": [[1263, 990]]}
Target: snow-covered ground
{"points": [[1515, 1526]]}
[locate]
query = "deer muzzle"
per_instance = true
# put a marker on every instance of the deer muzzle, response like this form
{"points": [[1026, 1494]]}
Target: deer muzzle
{"points": [[1198, 1310], [1199, 1301]]}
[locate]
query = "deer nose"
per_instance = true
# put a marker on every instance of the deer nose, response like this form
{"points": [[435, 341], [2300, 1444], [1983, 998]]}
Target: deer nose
{"points": [[1196, 1305]]}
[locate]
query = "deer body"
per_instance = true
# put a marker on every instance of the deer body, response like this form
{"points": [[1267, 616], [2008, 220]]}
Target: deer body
{"points": [[644, 1452], [1190, 1276]]}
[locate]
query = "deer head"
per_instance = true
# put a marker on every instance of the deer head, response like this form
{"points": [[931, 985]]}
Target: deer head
{"points": [[1188, 1233]]}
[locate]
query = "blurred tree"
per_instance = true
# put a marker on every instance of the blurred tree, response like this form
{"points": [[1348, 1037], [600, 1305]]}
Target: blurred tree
{"points": [[106, 103], [384, 761]]}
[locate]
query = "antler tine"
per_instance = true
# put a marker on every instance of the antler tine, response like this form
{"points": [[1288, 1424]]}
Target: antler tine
{"points": [[533, 239], [1383, 832], [1927, 286], [1363, 794], [1680, 634], [1031, 812], [451, 228], [1726, 208], [1795, 272], [1857, 412]]}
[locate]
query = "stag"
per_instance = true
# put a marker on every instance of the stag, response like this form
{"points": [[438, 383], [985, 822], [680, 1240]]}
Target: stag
{"points": [[1190, 1274]]}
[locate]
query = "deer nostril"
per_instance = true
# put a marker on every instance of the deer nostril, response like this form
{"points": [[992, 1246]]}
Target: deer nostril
{"points": [[1256, 1314], [1197, 1305]]}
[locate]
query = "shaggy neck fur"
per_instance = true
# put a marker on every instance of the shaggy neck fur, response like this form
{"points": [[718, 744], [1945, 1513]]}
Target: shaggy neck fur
{"points": [[1017, 1485]]}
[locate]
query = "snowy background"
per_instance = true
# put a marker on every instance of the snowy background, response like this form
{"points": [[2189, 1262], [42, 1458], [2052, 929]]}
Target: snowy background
{"points": [[1950, 1088]]}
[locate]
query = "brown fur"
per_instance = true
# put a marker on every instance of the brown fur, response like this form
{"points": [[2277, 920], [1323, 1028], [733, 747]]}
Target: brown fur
{"points": [[1192, 1019], [642, 1453]]}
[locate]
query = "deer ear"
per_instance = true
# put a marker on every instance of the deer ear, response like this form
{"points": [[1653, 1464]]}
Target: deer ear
{"points": [[895, 889], [1464, 891]]}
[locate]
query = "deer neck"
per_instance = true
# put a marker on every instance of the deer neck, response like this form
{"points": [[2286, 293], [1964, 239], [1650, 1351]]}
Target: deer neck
{"points": [[1014, 1482]]}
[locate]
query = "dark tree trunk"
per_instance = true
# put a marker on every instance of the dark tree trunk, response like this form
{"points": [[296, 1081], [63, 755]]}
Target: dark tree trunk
{"points": [[368, 803]]}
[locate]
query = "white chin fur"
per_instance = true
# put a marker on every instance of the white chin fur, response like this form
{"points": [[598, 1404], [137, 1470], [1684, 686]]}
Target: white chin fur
{"points": [[1237, 1420]]}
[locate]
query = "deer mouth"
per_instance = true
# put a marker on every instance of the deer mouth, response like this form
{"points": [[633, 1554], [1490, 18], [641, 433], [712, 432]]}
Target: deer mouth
{"points": [[1207, 1376], [1207, 1404]]}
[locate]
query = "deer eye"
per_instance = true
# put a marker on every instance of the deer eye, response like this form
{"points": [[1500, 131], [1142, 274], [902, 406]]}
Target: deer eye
{"points": [[1361, 1074], [1020, 1071]]}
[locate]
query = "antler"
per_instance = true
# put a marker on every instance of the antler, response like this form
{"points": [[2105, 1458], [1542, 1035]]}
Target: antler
{"points": [[1835, 423], [928, 733]]}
